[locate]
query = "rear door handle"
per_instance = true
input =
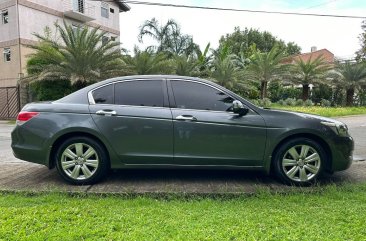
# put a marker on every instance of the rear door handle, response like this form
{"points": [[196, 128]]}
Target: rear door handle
{"points": [[106, 112], [186, 118]]}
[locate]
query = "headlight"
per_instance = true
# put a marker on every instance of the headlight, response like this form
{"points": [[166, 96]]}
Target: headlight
{"points": [[338, 128]]}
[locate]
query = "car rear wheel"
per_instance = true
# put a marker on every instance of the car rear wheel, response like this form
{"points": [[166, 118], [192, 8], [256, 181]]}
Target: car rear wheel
{"points": [[299, 161], [81, 160]]}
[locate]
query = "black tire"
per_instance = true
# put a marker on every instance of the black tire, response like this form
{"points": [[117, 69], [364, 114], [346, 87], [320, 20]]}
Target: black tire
{"points": [[284, 167], [96, 173]]}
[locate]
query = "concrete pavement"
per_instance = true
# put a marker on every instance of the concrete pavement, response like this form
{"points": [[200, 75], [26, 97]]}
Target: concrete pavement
{"points": [[19, 175]]}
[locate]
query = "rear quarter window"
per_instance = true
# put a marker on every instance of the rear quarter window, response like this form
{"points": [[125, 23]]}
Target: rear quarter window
{"points": [[104, 95]]}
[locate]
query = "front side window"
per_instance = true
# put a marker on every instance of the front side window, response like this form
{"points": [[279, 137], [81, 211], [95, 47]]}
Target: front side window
{"points": [[140, 93], [191, 95], [104, 95], [5, 17], [7, 55]]}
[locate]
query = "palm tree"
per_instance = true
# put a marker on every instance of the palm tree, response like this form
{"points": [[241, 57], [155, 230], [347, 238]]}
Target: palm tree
{"points": [[351, 76], [203, 59], [185, 65], [225, 72], [148, 62], [79, 56], [309, 72], [266, 67], [169, 37]]}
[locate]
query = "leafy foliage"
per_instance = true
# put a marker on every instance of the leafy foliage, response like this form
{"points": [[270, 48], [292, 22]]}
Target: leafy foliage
{"points": [[50, 89], [350, 76], [361, 53], [79, 56], [146, 62], [244, 40], [309, 72], [168, 37], [265, 67]]}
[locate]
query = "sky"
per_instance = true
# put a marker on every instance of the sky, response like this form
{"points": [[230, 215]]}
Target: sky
{"points": [[338, 35]]}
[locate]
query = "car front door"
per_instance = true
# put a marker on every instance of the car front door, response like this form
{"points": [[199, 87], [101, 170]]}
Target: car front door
{"points": [[135, 118], [207, 132]]}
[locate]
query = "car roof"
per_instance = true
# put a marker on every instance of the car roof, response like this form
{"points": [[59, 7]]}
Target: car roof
{"points": [[80, 96]]}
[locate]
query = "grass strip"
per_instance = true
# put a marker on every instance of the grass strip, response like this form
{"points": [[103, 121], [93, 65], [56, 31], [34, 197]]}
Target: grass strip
{"points": [[330, 213]]}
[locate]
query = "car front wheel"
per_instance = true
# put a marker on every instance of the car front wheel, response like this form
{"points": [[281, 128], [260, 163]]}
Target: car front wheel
{"points": [[299, 161], [81, 161]]}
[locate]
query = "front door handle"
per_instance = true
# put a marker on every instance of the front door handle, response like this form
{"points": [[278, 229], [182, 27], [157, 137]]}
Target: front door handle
{"points": [[106, 112], [186, 118]]}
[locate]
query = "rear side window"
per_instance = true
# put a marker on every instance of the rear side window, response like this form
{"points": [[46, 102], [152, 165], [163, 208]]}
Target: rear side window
{"points": [[191, 95], [103, 95], [140, 93]]}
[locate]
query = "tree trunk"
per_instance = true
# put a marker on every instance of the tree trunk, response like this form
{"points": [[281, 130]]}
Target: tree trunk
{"points": [[263, 90], [305, 92], [349, 97]]}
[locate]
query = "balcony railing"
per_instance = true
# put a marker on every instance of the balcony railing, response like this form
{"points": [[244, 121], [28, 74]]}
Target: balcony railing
{"points": [[79, 10]]}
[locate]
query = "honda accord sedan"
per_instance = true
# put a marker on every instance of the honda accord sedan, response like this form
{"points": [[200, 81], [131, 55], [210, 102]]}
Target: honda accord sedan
{"points": [[175, 122]]}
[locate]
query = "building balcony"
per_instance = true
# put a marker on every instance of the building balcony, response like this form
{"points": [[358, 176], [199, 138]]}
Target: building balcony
{"points": [[79, 10]]}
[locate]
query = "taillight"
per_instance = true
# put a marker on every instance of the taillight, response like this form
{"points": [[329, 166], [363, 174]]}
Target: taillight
{"points": [[25, 116]]}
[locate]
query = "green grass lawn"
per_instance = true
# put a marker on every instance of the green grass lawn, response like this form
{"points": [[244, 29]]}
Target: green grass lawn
{"points": [[331, 213], [324, 111]]}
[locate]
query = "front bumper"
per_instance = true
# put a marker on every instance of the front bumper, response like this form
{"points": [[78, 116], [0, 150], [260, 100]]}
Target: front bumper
{"points": [[342, 153]]}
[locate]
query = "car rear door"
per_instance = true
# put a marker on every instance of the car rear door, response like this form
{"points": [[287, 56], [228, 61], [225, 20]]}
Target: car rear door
{"points": [[206, 132], [135, 118]]}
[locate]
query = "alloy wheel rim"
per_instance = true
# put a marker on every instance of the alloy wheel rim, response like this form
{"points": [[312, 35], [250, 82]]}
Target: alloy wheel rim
{"points": [[79, 161], [301, 163]]}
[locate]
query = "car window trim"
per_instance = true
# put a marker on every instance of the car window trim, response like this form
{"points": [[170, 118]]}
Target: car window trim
{"points": [[199, 82], [164, 89]]}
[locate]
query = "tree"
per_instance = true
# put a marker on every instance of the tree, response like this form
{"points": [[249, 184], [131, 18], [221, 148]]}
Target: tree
{"points": [[168, 37], [203, 59], [226, 71], [244, 40], [350, 76], [79, 56], [309, 72], [361, 53], [185, 66], [148, 62], [266, 67]]}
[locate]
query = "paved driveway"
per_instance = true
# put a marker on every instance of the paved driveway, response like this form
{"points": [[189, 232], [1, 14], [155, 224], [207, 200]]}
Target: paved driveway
{"points": [[19, 175]]}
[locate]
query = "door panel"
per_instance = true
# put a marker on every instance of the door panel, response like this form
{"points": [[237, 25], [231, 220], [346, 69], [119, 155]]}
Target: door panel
{"points": [[132, 116], [139, 135], [218, 138], [206, 132]]}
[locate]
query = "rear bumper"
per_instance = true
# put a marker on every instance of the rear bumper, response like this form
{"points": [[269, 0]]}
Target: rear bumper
{"points": [[342, 152], [28, 146]]}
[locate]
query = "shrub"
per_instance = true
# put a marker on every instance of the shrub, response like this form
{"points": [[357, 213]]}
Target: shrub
{"points": [[325, 103], [255, 102], [290, 102], [299, 102], [50, 89], [265, 102], [308, 103], [281, 102]]}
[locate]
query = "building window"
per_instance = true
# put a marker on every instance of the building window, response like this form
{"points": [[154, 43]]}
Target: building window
{"points": [[111, 10], [105, 40], [7, 55], [78, 6], [5, 16], [104, 10]]}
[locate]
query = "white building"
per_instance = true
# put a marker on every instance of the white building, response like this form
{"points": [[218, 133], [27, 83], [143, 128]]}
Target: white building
{"points": [[21, 18]]}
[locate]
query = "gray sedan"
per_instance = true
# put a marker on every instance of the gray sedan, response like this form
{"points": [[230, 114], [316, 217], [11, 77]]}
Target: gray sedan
{"points": [[175, 122]]}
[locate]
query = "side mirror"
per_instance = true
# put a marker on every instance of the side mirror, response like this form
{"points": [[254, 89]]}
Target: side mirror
{"points": [[239, 108]]}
